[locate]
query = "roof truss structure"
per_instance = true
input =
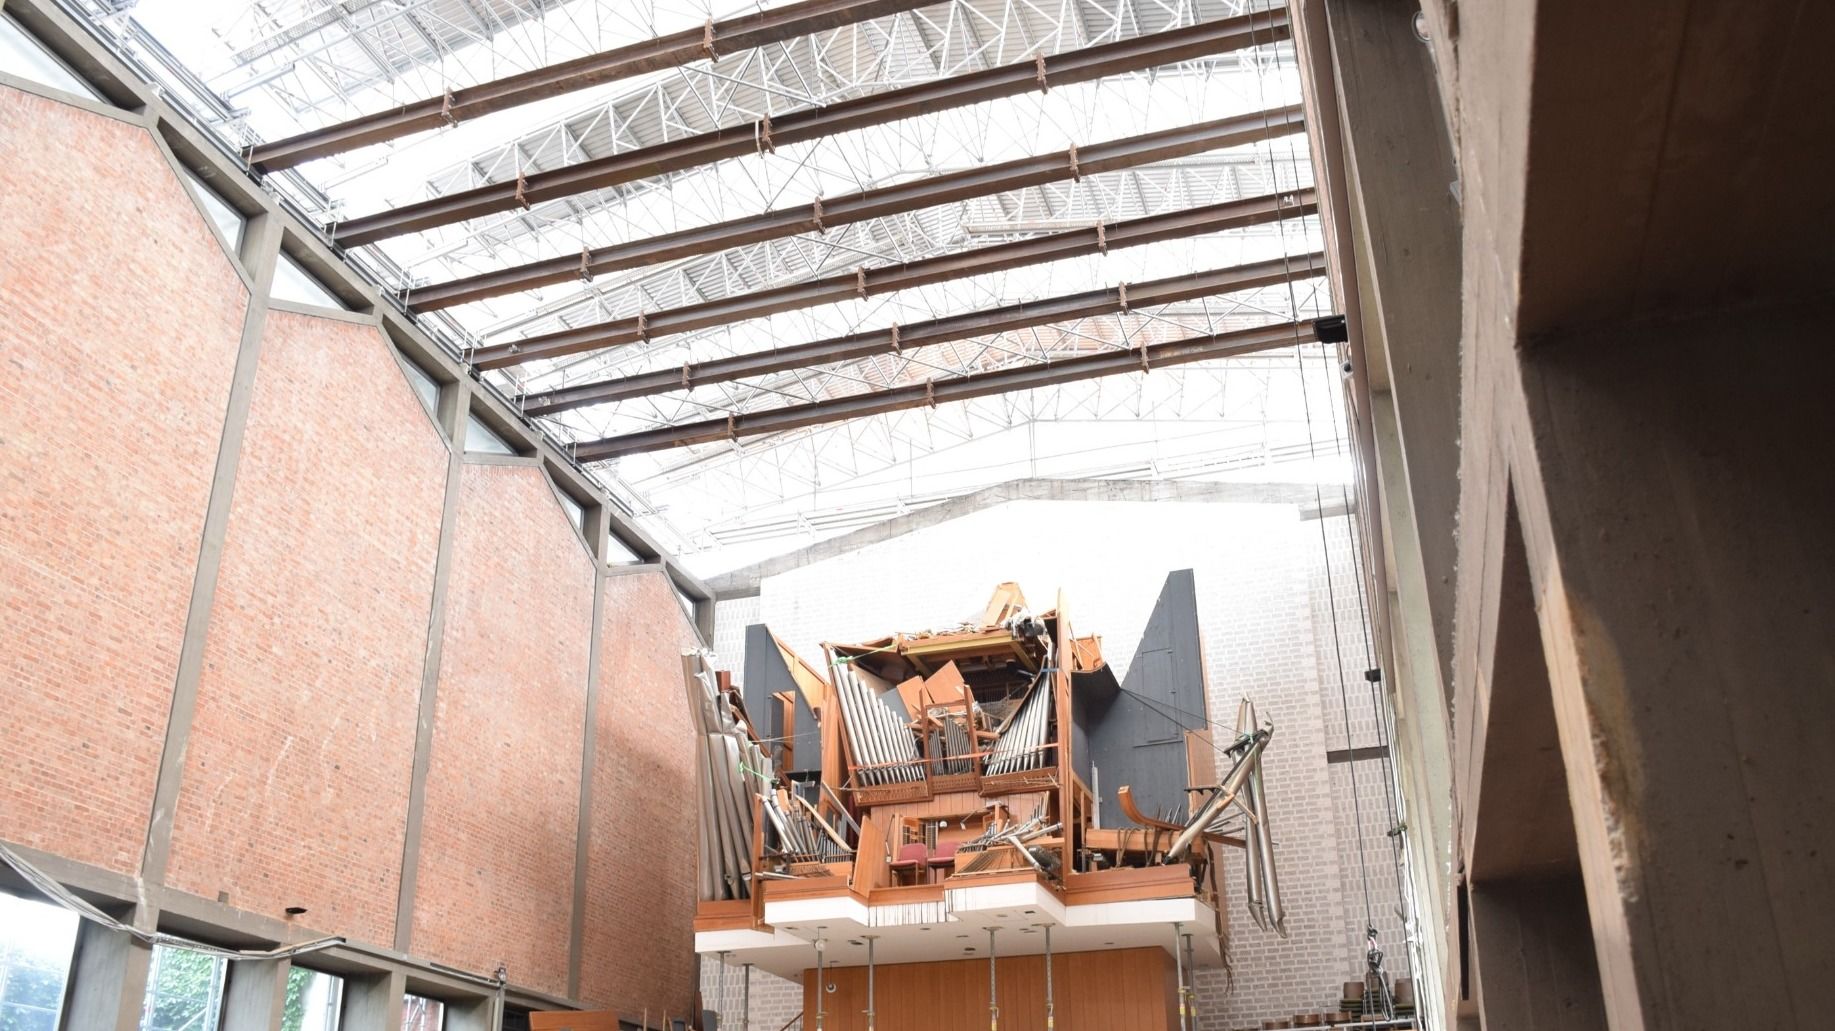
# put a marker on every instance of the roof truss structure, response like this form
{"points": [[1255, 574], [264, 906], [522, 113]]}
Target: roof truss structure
{"points": [[695, 224]]}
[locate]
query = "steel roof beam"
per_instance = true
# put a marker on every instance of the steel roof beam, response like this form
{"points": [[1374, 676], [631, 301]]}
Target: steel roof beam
{"points": [[712, 40], [893, 340], [955, 388], [865, 282], [915, 195], [1073, 66]]}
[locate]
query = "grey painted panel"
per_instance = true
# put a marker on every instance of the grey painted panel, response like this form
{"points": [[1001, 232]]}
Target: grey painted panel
{"points": [[1135, 735], [767, 674]]}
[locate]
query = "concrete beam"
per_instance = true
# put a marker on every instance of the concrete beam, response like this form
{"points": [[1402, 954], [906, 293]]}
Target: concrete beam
{"points": [[1405, 216]]}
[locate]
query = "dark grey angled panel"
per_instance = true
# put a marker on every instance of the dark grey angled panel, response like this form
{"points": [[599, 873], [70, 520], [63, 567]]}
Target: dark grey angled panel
{"points": [[1136, 736], [767, 674]]}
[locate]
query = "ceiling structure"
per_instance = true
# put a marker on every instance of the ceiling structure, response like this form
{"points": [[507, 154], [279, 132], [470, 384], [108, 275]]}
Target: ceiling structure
{"points": [[781, 269]]}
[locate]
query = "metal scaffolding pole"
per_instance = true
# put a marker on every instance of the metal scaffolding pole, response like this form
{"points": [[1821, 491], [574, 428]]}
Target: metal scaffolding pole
{"points": [[1178, 961], [708, 41], [993, 984], [919, 193], [1051, 1004], [897, 339], [821, 978], [870, 1014], [957, 388], [1083, 65]]}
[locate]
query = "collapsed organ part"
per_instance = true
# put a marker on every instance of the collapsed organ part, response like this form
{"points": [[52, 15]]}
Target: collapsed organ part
{"points": [[1004, 746]]}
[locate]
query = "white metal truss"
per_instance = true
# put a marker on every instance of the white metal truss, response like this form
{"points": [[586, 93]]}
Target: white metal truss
{"points": [[271, 68]]}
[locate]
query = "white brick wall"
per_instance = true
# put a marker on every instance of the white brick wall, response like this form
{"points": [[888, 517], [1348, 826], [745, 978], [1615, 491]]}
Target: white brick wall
{"points": [[1264, 610]]}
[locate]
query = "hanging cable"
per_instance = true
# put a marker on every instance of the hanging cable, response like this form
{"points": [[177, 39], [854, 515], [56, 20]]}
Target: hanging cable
{"points": [[62, 896], [1319, 503]]}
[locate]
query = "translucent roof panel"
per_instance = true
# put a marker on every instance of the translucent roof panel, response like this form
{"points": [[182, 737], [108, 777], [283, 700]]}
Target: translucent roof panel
{"points": [[271, 69]]}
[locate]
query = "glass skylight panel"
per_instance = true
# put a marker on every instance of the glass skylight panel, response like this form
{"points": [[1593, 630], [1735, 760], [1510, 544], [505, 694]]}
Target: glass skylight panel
{"points": [[576, 513], [426, 386], [27, 58], [293, 283], [228, 219], [617, 552], [481, 438]]}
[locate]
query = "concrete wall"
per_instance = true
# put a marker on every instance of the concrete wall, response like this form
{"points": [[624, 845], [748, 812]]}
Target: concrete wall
{"points": [[271, 641], [1264, 611]]}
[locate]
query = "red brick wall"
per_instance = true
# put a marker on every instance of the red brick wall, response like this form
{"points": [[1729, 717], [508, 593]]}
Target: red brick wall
{"points": [[497, 847], [295, 789], [120, 325], [640, 896]]}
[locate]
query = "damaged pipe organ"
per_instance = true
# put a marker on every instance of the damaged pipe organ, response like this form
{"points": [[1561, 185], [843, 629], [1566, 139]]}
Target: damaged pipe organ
{"points": [[908, 771]]}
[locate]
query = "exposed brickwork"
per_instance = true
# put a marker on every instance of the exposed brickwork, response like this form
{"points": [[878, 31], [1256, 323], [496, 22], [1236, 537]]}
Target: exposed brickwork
{"points": [[122, 318], [1263, 611], [774, 1000], [295, 790], [638, 950], [497, 848]]}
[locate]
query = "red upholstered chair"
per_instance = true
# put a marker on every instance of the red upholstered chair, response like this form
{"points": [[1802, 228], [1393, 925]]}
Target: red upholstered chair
{"points": [[945, 859], [910, 859]]}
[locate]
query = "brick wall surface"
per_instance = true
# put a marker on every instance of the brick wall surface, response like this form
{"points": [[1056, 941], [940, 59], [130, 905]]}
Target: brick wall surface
{"points": [[112, 402], [638, 949], [295, 790], [495, 880], [774, 1000], [1262, 608]]}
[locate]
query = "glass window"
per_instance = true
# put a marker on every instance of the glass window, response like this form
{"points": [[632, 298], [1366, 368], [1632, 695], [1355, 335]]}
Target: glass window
{"points": [[419, 1013], [37, 943], [25, 57], [575, 511], [480, 437], [293, 283], [315, 1000], [687, 600], [617, 551], [184, 991], [227, 218], [424, 385]]}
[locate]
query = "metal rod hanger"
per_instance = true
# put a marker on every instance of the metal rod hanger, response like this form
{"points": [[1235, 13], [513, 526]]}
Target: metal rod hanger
{"points": [[745, 32], [915, 195], [868, 282], [957, 388], [1088, 63], [892, 341]]}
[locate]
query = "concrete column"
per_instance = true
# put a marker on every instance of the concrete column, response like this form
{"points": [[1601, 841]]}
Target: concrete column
{"points": [[108, 981], [256, 998], [1405, 221], [374, 1003], [454, 404], [1677, 510], [1535, 967], [482, 1015], [260, 253]]}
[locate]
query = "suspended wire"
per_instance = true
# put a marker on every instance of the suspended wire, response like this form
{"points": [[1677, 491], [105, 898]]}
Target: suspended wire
{"points": [[1318, 493]]}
